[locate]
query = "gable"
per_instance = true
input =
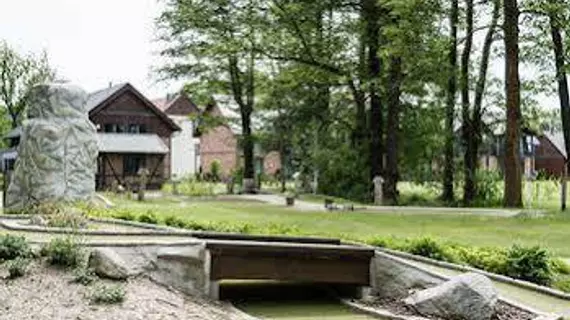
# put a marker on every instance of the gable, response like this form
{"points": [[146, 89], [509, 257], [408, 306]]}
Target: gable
{"points": [[127, 101], [182, 106]]}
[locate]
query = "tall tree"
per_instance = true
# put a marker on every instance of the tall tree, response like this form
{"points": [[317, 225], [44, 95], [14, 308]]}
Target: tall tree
{"points": [[18, 74], [449, 168], [213, 45], [473, 117], [513, 170]]}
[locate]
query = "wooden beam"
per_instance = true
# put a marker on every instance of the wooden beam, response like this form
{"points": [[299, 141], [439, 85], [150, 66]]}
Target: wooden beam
{"points": [[156, 168], [112, 170]]}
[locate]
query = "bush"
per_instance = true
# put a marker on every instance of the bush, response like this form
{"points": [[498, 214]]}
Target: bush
{"points": [[215, 171], [124, 215], [64, 252], [530, 264], [67, 219], [17, 267], [12, 247], [148, 217], [107, 294], [559, 266], [174, 221], [489, 191], [84, 276], [562, 284], [427, 247]]}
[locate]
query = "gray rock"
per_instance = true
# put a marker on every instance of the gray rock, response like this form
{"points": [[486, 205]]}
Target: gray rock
{"points": [[470, 296], [113, 264], [37, 220], [57, 154], [393, 278]]}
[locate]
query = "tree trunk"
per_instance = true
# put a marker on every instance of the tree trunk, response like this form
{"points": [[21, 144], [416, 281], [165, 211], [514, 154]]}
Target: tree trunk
{"points": [[373, 43], [392, 131], [513, 171], [450, 106], [562, 87], [248, 156], [469, 158]]}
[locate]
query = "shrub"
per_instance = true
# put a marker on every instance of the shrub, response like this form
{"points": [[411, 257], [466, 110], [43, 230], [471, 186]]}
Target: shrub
{"points": [[64, 252], [489, 259], [84, 276], [12, 247], [174, 221], [107, 294], [124, 215], [67, 219], [215, 171], [559, 266], [530, 264], [562, 284], [148, 217], [17, 267], [429, 248]]}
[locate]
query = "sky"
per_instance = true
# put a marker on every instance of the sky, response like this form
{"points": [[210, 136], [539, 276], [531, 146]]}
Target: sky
{"points": [[90, 43], [97, 42]]}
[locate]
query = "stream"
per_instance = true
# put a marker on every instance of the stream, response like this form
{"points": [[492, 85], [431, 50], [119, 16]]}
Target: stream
{"points": [[292, 301]]}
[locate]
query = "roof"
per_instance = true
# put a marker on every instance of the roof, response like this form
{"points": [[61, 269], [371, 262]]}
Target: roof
{"points": [[96, 98], [131, 143], [165, 104], [557, 139]]}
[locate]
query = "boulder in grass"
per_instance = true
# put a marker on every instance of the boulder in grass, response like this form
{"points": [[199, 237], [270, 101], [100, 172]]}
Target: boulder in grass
{"points": [[470, 296]]}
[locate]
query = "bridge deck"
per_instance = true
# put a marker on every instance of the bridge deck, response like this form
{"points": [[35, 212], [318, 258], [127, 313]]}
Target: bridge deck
{"points": [[301, 262]]}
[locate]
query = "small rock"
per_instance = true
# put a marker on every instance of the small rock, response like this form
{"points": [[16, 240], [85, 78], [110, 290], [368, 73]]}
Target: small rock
{"points": [[470, 296], [108, 264]]}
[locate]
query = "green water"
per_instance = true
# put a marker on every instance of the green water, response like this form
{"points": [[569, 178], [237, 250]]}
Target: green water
{"points": [[269, 300]]}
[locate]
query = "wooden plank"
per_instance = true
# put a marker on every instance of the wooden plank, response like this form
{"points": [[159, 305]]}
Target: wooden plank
{"points": [[289, 269], [263, 238]]}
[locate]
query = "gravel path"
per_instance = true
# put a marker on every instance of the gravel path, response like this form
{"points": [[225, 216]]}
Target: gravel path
{"points": [[47, 294]]}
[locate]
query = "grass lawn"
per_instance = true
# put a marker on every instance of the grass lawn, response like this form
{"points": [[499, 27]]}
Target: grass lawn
{"points": [[551, 232]]}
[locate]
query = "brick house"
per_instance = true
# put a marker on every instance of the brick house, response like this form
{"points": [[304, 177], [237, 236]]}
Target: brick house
{"points": [[132, 134], [551, 154]]}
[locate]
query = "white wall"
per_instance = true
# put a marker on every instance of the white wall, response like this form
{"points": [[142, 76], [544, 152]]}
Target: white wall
{"points": [[183, 153]]}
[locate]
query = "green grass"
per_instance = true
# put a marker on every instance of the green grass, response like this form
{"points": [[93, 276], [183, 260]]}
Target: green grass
{"points": [[552, 232]]}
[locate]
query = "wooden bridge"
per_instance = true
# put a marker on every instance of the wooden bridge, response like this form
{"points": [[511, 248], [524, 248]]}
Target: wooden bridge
{"points": [[304, 260]]}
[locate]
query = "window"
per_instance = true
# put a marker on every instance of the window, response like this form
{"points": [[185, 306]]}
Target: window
{"points": [[110, 127], [124, 128], [132, 164], [197, 148]]}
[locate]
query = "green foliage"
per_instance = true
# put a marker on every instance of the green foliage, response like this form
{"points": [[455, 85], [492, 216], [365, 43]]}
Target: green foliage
{"points": [[215, 171], [124, 215], [17, 267], [174, 221], [64, 252], [559, 266], [489, 191], [12, 247], [530, 264], [102, 294], [84, 275], [67, 219], [191, 187], [148, 217], [427, 247]]}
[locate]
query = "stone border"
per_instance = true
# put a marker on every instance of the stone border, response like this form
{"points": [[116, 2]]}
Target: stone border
{"points": [[378, 312]]}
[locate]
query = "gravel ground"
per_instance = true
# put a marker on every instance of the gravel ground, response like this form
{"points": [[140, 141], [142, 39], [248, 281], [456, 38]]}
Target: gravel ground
{"points": [[46, 293], [504, 311]]}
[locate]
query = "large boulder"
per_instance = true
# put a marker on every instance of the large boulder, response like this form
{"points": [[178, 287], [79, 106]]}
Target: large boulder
{"points": [[470, 296], [120, 263], [392, 277], [57, 154]]}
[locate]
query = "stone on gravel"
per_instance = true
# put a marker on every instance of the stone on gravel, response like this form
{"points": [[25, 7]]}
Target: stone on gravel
{"points": [[392, 278], [109, 263], [470, 296], [57, 154]]}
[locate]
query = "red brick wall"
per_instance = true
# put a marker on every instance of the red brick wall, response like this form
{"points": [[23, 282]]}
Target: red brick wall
{"points": [[128, 109], [218, 144], [548, 158]]}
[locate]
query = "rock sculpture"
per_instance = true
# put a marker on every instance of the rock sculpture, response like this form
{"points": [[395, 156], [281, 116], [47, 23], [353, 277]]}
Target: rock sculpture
{"points": [[57, 155]]}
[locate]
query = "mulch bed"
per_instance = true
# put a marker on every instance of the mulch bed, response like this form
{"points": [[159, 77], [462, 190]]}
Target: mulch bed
{"points": [[504, 311]]}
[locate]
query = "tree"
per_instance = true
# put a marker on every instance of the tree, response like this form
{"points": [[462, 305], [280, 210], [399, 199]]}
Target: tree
{"points": [[513, 171], [18, 74], [448, 193], [213, 43]]}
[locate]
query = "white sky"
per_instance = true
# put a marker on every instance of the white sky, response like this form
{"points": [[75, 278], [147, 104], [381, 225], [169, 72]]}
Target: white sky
{"points": [[95, 42], [89, 42]]}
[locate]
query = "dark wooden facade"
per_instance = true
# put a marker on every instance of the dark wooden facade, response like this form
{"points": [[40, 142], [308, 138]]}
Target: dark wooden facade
{"points": [[549, 160], [128, 111]]}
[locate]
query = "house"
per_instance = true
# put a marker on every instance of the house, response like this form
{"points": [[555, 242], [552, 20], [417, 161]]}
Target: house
{"points": [[551, 154], [185, 151], [132, 134]]}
